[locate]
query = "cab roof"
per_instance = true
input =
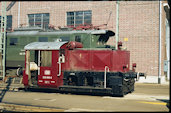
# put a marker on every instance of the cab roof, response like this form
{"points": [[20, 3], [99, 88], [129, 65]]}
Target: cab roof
{"points": [[44, 45]]}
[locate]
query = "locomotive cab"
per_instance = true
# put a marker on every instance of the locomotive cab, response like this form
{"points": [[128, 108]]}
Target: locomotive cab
{"points": [[39, 70]]}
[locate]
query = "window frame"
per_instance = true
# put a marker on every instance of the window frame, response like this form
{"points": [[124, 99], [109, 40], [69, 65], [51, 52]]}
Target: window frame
{"points": [[75, 17], [43, 19]]}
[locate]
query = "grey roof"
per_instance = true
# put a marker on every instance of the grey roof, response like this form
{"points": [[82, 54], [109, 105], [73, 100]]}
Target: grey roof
{"points": [[44, 45], [56, 32]]}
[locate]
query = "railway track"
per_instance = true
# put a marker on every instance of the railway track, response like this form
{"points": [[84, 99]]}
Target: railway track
{"points": [[15, 84], [4, 107], [11, 83]]}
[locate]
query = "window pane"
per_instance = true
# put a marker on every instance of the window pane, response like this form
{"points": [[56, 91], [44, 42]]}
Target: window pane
{"points": [[65, 38], [9, 22], [78, 22], [31, 19], [38, 15], [70, 20], [31, 23], [70, 23], [87, 13], [46, 15], [77, 38], [44, 56], [87, 17], [38, 18], [79, 13], [13, 41], [87, 21], [79, 17], [31, 15], [45, 20], [43, 39], [70, 13]]}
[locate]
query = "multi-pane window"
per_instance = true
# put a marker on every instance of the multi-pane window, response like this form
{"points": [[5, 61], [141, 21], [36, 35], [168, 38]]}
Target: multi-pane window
{"points": [[79, 18], [41, 20], [9, 22]]}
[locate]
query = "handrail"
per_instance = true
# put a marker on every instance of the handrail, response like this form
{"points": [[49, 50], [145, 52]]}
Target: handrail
{"points": [[39, 62], [106, 67], [61, 59], [59, 68]]}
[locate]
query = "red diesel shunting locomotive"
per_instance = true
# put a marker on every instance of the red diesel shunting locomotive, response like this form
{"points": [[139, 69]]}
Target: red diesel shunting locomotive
{"points": [[66, 66]]}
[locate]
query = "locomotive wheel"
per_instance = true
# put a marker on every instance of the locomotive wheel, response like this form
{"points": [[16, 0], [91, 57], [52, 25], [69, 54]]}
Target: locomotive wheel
{"points": [[19, 71]]}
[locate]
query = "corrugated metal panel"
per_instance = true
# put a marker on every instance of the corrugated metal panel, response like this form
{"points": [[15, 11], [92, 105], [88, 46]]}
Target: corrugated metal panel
{"points": [[44, 45], [79, 60], [100, 59], [96, 60]]}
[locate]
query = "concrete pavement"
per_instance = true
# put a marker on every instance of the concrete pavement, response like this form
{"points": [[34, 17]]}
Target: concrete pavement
{"points": [[146, 97]]}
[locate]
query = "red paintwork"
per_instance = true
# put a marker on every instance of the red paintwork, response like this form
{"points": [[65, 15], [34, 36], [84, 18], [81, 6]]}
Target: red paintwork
{"points": [[73, 45], [134, 66], [86, 26], [81, 60], [53, 80], [119, 45], [25, 77], [96, 60]]}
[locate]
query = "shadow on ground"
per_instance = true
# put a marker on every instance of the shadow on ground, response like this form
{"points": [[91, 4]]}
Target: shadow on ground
{"points": [[166, 101], [3, 92]]}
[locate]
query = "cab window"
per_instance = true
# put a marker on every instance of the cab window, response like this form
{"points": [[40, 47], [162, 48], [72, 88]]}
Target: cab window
{"points": [[65, 38], [13, 41], [46, 58], [43, 39], [78, 38]]}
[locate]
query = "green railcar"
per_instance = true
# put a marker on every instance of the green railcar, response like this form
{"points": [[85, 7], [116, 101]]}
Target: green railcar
{"points": [[16, 40]]}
